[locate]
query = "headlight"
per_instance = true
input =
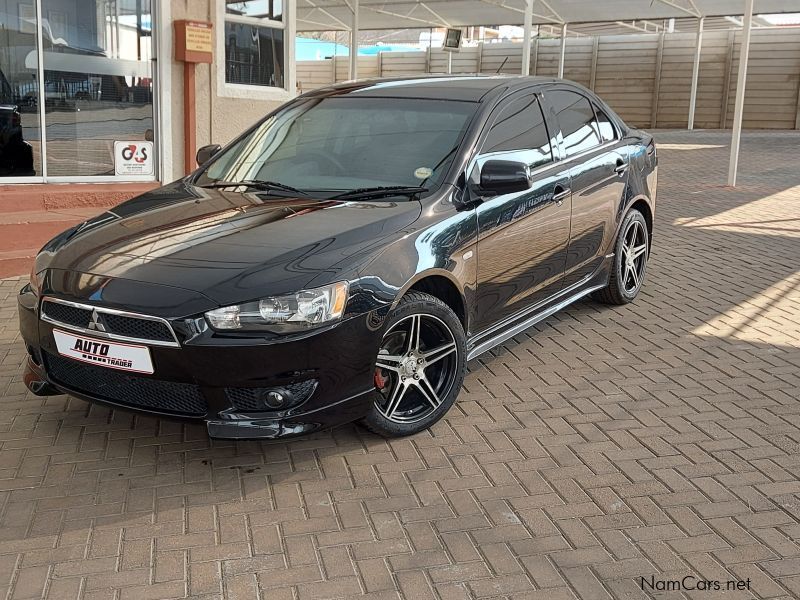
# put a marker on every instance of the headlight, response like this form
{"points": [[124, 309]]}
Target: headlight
{"points": [[292, 312]]}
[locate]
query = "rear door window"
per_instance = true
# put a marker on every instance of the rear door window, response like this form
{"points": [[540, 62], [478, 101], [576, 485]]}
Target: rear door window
{"points": [[575, 114]]}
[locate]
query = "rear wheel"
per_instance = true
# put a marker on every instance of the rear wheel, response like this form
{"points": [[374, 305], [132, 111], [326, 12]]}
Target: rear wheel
{"points": [[630, 261], [419, 368]]}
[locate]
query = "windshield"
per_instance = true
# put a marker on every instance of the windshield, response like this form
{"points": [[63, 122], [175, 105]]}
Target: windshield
{"points": [[344, 143]]}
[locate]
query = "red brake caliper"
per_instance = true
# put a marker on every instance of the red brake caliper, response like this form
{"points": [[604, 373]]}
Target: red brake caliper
{"points": [[380, 380]]}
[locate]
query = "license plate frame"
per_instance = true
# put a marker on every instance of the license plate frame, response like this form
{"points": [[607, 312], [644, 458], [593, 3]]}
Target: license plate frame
{"points": [[108, 354]]}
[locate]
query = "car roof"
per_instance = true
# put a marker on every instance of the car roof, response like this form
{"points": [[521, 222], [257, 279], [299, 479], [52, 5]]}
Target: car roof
{"points": [[464, 88]]}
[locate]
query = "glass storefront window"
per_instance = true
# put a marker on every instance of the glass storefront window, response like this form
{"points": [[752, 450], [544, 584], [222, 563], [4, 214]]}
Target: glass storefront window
{"points": [[98, 85], [95, 87], [20, 133]]}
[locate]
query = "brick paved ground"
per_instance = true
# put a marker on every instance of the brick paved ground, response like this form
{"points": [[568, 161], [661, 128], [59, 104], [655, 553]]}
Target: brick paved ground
{"points": [[607, 444]]}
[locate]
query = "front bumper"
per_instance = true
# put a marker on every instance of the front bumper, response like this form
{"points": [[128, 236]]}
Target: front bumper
{"points": [[220, 380]]}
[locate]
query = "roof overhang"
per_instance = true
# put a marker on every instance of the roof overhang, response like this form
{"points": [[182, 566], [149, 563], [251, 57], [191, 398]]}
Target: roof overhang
{"points": [[319, 15]]}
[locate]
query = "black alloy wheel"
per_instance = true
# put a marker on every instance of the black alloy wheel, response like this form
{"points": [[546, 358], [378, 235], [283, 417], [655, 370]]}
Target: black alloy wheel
{"points": [[630, 261], [634, 254], [419, 368]]}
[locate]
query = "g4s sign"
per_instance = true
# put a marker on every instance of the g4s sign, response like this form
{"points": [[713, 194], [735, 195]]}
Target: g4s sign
{"points": [[133, 158], [134, 152]]}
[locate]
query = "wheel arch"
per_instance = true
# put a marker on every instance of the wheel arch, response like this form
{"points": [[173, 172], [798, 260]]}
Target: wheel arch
{"points": [[643, 206], [641, 203], [440, 284]]}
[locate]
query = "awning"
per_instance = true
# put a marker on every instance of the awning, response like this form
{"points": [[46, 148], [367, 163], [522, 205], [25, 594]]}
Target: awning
{"points": [[323, 15]]}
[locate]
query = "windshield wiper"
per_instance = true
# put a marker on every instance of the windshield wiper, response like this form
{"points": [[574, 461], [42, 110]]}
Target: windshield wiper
{"points": [[379, 192], [258, 184]]}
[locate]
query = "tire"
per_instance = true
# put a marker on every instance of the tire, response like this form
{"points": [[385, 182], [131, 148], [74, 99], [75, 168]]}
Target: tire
{"points": [[417, 384], [627, 277]]}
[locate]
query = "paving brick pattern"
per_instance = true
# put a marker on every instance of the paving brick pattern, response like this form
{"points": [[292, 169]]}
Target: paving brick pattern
{"points": [[607, 444]]}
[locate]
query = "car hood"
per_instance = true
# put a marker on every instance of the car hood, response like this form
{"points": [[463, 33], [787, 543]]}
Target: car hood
{"points": [[229, 246]]}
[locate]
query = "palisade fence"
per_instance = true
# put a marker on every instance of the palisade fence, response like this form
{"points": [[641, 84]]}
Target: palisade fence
{"points": [[646, 78]]}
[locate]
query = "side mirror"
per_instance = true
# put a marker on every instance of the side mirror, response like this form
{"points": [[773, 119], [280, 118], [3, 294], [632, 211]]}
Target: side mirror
{"points": [[206, 153], [504, 177]]}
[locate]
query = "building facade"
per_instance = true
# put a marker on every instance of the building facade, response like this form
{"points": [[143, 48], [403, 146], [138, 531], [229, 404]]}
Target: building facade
{"points": [[91, 91]]}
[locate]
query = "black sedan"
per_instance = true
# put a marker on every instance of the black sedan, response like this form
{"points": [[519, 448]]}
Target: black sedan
{"points": [[344, 258]]}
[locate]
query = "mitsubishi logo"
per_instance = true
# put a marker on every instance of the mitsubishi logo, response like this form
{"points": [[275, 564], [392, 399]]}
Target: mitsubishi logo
{"points": [[96, 324]]}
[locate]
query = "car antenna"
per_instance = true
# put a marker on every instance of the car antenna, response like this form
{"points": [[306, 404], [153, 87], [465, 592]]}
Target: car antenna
{"points": [[502, 64]]}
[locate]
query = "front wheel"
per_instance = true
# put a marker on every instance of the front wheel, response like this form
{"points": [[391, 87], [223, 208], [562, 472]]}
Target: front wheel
{"points": [[419, 368], [630, 261]]}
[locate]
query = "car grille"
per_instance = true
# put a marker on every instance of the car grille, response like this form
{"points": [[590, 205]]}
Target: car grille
{"points": [[253, 398], [133, 328], [122, 388]]}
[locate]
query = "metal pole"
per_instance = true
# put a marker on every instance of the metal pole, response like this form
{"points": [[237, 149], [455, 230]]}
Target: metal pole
{"points": [[429, 51], [449, 62], [139, 30], [40, 90], [744, 54], [116, 27], [189, 118], [526, 38], [354, 43], [563, 50], [695, 71]]}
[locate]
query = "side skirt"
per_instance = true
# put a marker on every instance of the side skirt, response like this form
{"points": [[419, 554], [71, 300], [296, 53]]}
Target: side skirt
{"points": [[507, 334]]}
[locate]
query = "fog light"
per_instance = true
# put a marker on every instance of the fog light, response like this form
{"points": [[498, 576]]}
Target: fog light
{"points": [[283, 397], [275, 399]]}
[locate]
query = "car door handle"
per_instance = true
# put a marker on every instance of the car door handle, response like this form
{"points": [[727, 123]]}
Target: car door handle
{"points": [[559, 193], [621, 167]]}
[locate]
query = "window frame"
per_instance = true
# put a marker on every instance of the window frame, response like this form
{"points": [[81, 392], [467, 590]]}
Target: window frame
{"points": [[258, 92]]}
